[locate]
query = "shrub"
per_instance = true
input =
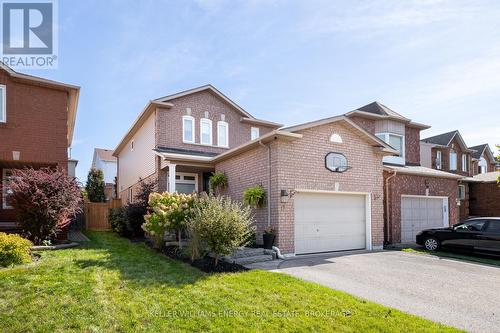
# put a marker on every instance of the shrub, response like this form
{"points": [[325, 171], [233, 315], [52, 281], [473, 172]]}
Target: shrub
{"points": [[169, 212], [255, 196], [95, 186], [117, 218], [139, 208], [218, 181], [14, 250], [44, 200], [222, 224]]}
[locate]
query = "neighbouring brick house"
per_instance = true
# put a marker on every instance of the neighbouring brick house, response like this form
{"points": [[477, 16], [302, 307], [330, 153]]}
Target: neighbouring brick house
{"points": [[105, 161], [326, 181], [37, 118], [448, 152]]}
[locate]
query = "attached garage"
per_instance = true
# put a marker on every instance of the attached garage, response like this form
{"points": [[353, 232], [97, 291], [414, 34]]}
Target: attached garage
{"points": [[422, 212], [331, 221]]}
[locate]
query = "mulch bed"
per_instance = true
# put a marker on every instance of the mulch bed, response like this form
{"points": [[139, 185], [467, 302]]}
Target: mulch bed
{"points": [[205, 264]]}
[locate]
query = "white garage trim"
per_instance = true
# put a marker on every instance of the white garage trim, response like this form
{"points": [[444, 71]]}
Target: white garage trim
{"points": [[368, 210]]}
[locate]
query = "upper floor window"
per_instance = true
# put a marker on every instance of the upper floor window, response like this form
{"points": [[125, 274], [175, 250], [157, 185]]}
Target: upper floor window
{"points": [[439, 160], [453, 160], [3, 109], [222, 134], [397, 142], [205, 131], [464, 163], [483, 165], [254, 133], [188, 129]]}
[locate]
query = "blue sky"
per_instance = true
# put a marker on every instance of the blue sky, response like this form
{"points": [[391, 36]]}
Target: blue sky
{"points": [[436, 62]]}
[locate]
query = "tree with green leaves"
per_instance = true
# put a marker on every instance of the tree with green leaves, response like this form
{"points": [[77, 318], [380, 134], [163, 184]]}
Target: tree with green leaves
{"points": [[95, 186]]}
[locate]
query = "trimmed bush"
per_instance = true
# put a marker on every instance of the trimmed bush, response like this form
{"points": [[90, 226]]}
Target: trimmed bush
{"points": [[222, 224], [14, 250], [169, 212], [117, 218], [255, 196], [44, 200]]}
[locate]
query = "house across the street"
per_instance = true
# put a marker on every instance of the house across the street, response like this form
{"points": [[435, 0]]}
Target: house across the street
{"points": [[352, 181]]}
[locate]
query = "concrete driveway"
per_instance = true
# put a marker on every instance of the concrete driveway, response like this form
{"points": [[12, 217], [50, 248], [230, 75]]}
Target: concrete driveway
{"points": [[456, 293]]}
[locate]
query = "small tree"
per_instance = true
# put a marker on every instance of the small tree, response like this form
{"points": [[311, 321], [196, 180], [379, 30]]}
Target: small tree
{"points": [[95, 186], [498, 161], [44, 200], [222, 224]]}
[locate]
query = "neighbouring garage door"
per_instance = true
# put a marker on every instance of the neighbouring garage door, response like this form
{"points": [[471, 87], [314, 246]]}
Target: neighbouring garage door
{"points": [[329, 222], [419, 213]]}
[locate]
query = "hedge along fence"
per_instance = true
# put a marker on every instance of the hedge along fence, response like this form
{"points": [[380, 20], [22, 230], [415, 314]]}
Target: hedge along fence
{"points": [[96, 214]]}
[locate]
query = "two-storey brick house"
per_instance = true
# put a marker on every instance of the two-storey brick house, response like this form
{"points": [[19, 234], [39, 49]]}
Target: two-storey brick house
{"points": [[37, 118], [326, 181]]}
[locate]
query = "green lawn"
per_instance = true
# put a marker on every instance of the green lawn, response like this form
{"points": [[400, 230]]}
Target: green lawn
{"points": [[453, 255], [112, 285]]}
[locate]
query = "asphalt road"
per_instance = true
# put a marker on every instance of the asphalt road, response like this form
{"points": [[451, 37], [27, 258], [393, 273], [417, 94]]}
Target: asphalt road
{"points": [[456, 293]]}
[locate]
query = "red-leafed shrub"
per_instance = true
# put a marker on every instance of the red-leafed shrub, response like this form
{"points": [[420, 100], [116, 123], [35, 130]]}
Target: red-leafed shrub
{"points": [[44, 200]]}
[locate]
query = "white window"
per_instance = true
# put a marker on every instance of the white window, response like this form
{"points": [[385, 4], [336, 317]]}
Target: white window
{"points": [[461, 192], [222, 134], [3, 103], [397, 142], [188, 129], [254, 133], [464, 163], [6, 191], [483, 165], [186, 182], [453, 160], [439, 160], [205, 131]]}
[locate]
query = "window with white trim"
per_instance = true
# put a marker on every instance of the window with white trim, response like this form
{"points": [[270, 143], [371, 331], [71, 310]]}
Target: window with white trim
{"points": [[453, 160], [461, 192], [254, 133], [464, 163], [222, 134], [186, 182], [3, 103], [205, 131], [188, 129], [130, 195], [6, 191], [482, 165], [439, 160], [397, 142]]}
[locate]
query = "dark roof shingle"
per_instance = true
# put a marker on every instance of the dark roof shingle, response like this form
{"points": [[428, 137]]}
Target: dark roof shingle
{"points": [[441, 139]]}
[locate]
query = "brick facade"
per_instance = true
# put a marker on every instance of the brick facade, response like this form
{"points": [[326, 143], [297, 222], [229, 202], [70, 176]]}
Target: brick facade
{"points": [[300, 164], [445, 158], [412, 145], [403, 184], [484, 199]]}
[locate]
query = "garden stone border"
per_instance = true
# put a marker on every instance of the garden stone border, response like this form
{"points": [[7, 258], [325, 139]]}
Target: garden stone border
{"points": [[54, 247]]}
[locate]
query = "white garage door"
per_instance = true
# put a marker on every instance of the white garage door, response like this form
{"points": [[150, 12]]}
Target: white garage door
{"points": [[419, 213], [329, 222]]}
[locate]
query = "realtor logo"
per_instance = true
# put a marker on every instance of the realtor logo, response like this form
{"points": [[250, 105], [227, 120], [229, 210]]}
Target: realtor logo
{"points": [[29, 34]]}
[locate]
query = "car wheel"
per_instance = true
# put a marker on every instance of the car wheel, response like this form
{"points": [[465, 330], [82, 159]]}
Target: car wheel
{"points": [[432, 244]]}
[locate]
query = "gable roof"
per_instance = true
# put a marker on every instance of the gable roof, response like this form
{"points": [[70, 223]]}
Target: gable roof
{"points": [[380, 111], [370, 137], [72, 90], [105, 154], [445, 140], [479, 150]]}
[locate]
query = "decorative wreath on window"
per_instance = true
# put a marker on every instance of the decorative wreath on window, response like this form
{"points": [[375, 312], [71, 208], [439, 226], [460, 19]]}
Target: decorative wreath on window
{"points": [[336, 162]]}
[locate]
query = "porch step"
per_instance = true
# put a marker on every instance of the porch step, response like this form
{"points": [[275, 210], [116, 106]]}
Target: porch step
{"points": [[254, 259]]}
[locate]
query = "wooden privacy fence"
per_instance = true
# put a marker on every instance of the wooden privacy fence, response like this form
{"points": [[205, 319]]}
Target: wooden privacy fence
{"points": [[96, 214]]}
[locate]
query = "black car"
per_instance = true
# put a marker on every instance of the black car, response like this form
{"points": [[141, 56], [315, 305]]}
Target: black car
{"points": [[480, 235]]}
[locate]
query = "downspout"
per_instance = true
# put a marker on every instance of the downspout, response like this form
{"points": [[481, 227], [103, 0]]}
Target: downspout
{"points": [[388, 223], [268, 182]]}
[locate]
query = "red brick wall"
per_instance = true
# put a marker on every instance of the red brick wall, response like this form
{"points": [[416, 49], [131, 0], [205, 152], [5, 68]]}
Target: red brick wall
{"points": [[36, 123], [367, 124], [445, 157], [412, 145], [484, 199], [416, 185], [465, 203], [169, 122]]}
